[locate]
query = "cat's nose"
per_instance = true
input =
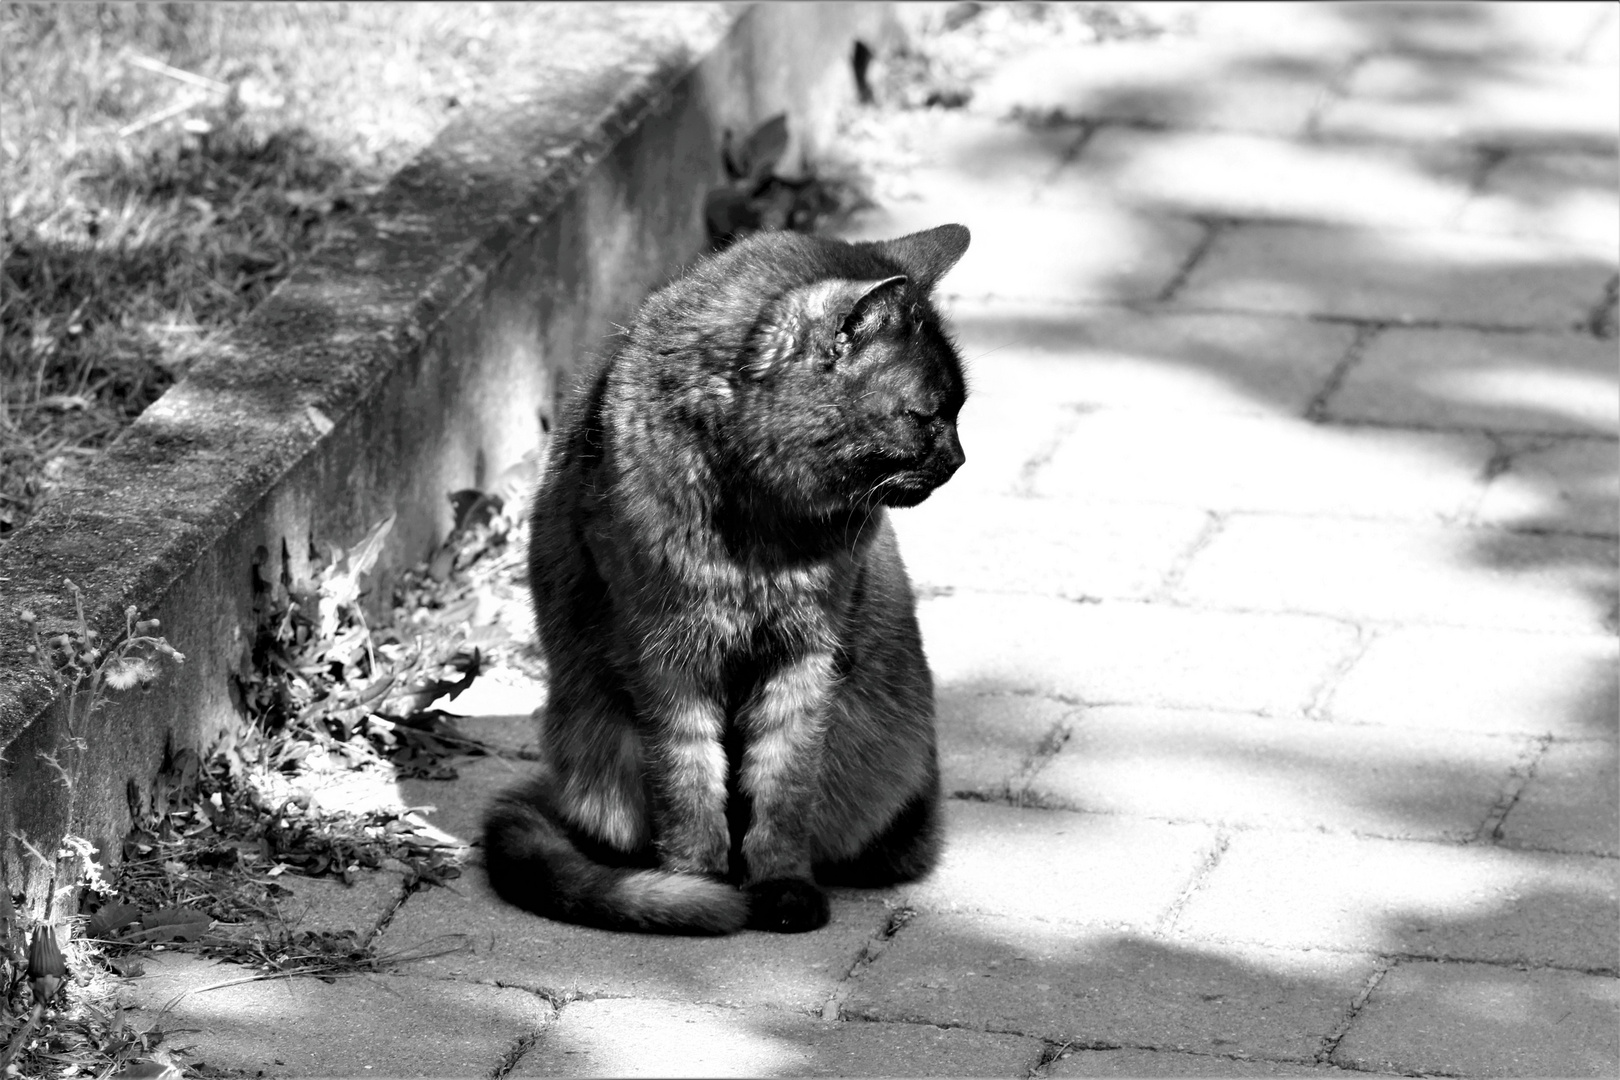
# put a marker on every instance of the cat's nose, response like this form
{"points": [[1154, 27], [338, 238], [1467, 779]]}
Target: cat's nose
{"points": [[949, 453]]}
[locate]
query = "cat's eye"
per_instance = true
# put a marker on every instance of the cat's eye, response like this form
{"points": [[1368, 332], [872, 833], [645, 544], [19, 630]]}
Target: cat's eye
{"points": [[922, 418]]}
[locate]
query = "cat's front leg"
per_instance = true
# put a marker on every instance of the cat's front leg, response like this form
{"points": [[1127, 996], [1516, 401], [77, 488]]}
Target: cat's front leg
{"points": [[783, 725], [688, 773]]}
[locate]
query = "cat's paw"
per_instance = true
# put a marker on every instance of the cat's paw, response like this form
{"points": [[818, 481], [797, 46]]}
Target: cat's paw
{"points": [[786, 906]]}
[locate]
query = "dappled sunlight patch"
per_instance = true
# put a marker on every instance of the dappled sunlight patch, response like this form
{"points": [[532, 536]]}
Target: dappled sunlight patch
{"points": [[1460, 902], [1487, 1021], [1400, 277], [1276, 464], [1151, 654], [1282, 774], [1398, 572], [1533, 383], [1094, 252], [1242, 175], [692, 1040], [341, 1026], [1588, 398], [1077, 984]]}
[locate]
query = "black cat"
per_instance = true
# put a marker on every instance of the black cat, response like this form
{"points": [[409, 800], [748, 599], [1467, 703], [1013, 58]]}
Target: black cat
{"points": [[739, 696]]}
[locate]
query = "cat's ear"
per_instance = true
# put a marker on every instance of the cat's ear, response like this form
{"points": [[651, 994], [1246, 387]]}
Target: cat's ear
{"points": [[929, 254], [819, 319], [848, 301]]}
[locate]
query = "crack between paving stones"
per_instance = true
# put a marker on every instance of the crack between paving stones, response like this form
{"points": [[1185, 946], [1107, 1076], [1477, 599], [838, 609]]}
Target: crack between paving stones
{"points": [[1214, 522], [1514, 964], [406, 891], [1331, 1042], [1601, 26], [1213, 229], [1061, 731], [514, 1054], [1519, 777], [1487, 159], [833, 1008], [1335, 90], [1149, 306], [1506, 449], [1316, 411], [1070, 154], [1056, 1049], [1316, 707], [1025, 485], [1498, 464], [1047, 804], [1601, 323], [1167, 922], [1394, 621]]}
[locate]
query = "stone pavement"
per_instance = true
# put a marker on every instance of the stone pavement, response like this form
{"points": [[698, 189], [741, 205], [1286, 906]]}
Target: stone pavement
{"points": [[1273, 615]]}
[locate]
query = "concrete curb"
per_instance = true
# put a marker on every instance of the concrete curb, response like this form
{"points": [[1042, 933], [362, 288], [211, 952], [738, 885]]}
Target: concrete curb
{"points": [[411, 356]]}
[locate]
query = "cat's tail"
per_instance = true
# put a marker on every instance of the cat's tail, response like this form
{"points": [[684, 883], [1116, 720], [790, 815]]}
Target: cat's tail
{"points": [[533, 863]]}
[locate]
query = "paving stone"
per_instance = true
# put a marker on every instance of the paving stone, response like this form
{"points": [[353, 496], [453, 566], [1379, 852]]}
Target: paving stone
{"points": [[502, 944], [1524, 103], [954, 157], [500, 693], [1276, 464], [1166, 82], [1129, 653], [1052, 547], [1571, 485], [1568, 196], [589, 1039], [1602, 46], [456, 807], [356, 1026], [1159, 359], [1103, 251], [1484, 681], [327, 904], [500, 710], [1572, 803], [1060, 866], [1002, 434], [1231, 174], [1396, 572], [1398, 276], [1061, 984], [1459, 902], [1484, 1020], [1557, 383], [1552, 31], [1163, 1063], [987, 740], [1232, 769], [515, 735]]}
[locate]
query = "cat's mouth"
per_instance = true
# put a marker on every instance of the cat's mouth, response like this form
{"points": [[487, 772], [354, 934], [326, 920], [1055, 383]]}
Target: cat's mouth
{"points": [[908, 488]]}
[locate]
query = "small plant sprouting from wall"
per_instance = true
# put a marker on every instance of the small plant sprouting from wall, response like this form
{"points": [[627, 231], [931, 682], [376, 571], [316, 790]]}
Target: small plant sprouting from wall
{"points": [[85, 669], [755, 198]]}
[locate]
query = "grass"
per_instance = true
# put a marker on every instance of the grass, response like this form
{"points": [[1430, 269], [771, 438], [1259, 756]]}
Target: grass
{"points": [[164, 166]]}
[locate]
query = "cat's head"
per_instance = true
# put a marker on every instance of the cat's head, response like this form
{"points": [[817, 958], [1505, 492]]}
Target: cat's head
{"points": [[847, 389]]}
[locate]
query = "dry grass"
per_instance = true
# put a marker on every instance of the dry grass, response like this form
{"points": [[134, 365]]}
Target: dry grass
{"points": [[164, 166]]}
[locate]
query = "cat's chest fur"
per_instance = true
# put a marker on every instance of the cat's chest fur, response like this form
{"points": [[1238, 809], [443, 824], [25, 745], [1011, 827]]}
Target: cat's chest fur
{"points": [[711, 583]]}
